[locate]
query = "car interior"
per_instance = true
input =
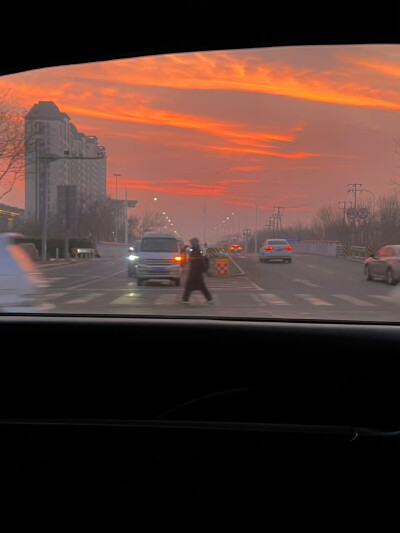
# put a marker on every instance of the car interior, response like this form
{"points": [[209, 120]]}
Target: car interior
{"points": [[168, 424]]}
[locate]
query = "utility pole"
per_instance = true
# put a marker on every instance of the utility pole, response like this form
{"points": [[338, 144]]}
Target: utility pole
{"points": [[344, 210], [354, 189], [278, 217]]}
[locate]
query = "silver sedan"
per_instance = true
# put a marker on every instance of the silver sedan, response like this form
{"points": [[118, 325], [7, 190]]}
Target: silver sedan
{"points": [[384, 264], [275, 249]]}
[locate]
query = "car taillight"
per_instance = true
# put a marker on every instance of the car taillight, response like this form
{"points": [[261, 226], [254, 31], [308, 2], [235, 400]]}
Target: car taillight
{"points": [[178, 258], [269, 247], [288, 247]]}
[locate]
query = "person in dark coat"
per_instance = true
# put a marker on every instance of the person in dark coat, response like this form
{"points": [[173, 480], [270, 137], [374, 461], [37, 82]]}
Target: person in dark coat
{"points": [[197, 267]]}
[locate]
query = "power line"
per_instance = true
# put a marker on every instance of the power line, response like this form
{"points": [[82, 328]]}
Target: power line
{"points": [[355, 190], [278, 217]]}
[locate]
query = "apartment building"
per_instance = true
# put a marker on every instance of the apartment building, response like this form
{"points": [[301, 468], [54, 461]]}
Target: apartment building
{"points": [[59, 158]]}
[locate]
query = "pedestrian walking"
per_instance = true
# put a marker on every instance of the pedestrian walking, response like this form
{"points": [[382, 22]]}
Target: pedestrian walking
{"points": [[198, 265]]}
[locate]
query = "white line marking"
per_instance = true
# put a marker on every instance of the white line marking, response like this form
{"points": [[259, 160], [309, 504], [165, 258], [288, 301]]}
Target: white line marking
{"points": [[46, 306], [313, 299], [89, 297], [353, 300], [307, 282], [272, 299], [98, 279], [166, 299], [55, 294], [383, 298]]}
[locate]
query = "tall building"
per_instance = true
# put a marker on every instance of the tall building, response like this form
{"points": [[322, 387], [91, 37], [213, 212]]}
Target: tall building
{"points": [[58, 155]]}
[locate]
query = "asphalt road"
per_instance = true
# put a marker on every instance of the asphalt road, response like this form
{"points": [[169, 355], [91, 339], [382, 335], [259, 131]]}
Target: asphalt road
{"points": [[311, 287]]}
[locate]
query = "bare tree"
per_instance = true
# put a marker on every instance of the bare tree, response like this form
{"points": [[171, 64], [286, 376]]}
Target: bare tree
{"points": [[97, 220], [12, 144]]}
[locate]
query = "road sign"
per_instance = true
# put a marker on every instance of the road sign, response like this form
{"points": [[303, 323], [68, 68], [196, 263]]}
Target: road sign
{"points": [[351, 212], [362, 212]]}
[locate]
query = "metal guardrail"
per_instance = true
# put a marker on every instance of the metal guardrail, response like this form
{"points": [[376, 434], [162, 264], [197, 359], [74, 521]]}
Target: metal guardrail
{"points": [[359, 253]]}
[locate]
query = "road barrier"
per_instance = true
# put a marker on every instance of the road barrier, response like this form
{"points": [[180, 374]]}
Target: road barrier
{"points": [[222, 267], [221, 264], [328, 248], [332, 249], [84, 253], [359, 253]]}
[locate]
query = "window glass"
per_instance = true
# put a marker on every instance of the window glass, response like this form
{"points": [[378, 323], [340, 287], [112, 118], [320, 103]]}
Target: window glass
{"points": [[229, 147], [158, 245], [277, 241]]}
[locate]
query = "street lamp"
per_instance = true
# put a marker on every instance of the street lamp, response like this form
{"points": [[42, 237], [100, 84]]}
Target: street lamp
{"points": [[154, 199], [116, 207]]}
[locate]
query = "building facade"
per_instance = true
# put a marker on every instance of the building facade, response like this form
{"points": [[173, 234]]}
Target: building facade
{"points": [[8, 216], [59, 158]]}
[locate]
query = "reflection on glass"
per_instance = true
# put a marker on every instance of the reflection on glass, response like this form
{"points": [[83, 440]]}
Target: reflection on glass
{"points": [[247, 150]]}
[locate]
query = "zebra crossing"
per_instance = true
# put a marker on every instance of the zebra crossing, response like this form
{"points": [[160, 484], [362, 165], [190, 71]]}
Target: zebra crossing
{"points": [[241, 297]]}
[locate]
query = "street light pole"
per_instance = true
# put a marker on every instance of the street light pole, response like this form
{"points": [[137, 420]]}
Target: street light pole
{"points": [[116, 207], [154, 199]]}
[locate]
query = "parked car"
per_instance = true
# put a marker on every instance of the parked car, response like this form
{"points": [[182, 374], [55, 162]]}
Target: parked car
{"points": [[275, 249], [384, 264]]}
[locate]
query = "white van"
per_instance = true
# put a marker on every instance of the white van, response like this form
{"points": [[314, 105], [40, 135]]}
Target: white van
{"points": [[159, 258]]}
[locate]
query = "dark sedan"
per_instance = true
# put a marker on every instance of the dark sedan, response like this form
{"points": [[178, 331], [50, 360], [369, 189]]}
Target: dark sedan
{"points": [[384, 264]]}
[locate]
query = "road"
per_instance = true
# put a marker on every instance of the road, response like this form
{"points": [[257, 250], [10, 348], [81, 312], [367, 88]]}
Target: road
{"points": [[311, 287]]}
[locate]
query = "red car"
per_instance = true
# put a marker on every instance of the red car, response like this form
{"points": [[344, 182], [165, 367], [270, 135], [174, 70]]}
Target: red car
{"points": [[235, 248]]}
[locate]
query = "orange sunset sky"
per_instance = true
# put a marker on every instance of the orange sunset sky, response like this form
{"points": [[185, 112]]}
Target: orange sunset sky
{"points": [[218, 132]]}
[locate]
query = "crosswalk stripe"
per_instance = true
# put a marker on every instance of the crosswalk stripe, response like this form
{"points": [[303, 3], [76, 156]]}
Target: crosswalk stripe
{"points": [[173, 297], [88, 298], [167, 299], [353, 300], [55, 294], [272, 299], [313, 299], [383, 298]]}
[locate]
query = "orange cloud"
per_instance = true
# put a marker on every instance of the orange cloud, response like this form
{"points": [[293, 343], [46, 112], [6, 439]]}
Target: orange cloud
{"points": [[253, 168], [231, 71], [177, 187]]}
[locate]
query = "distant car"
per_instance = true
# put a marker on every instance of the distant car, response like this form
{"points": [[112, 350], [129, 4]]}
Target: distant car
{"points": [[275, 249], [384, 264], [235, 248], [20, 280]]}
